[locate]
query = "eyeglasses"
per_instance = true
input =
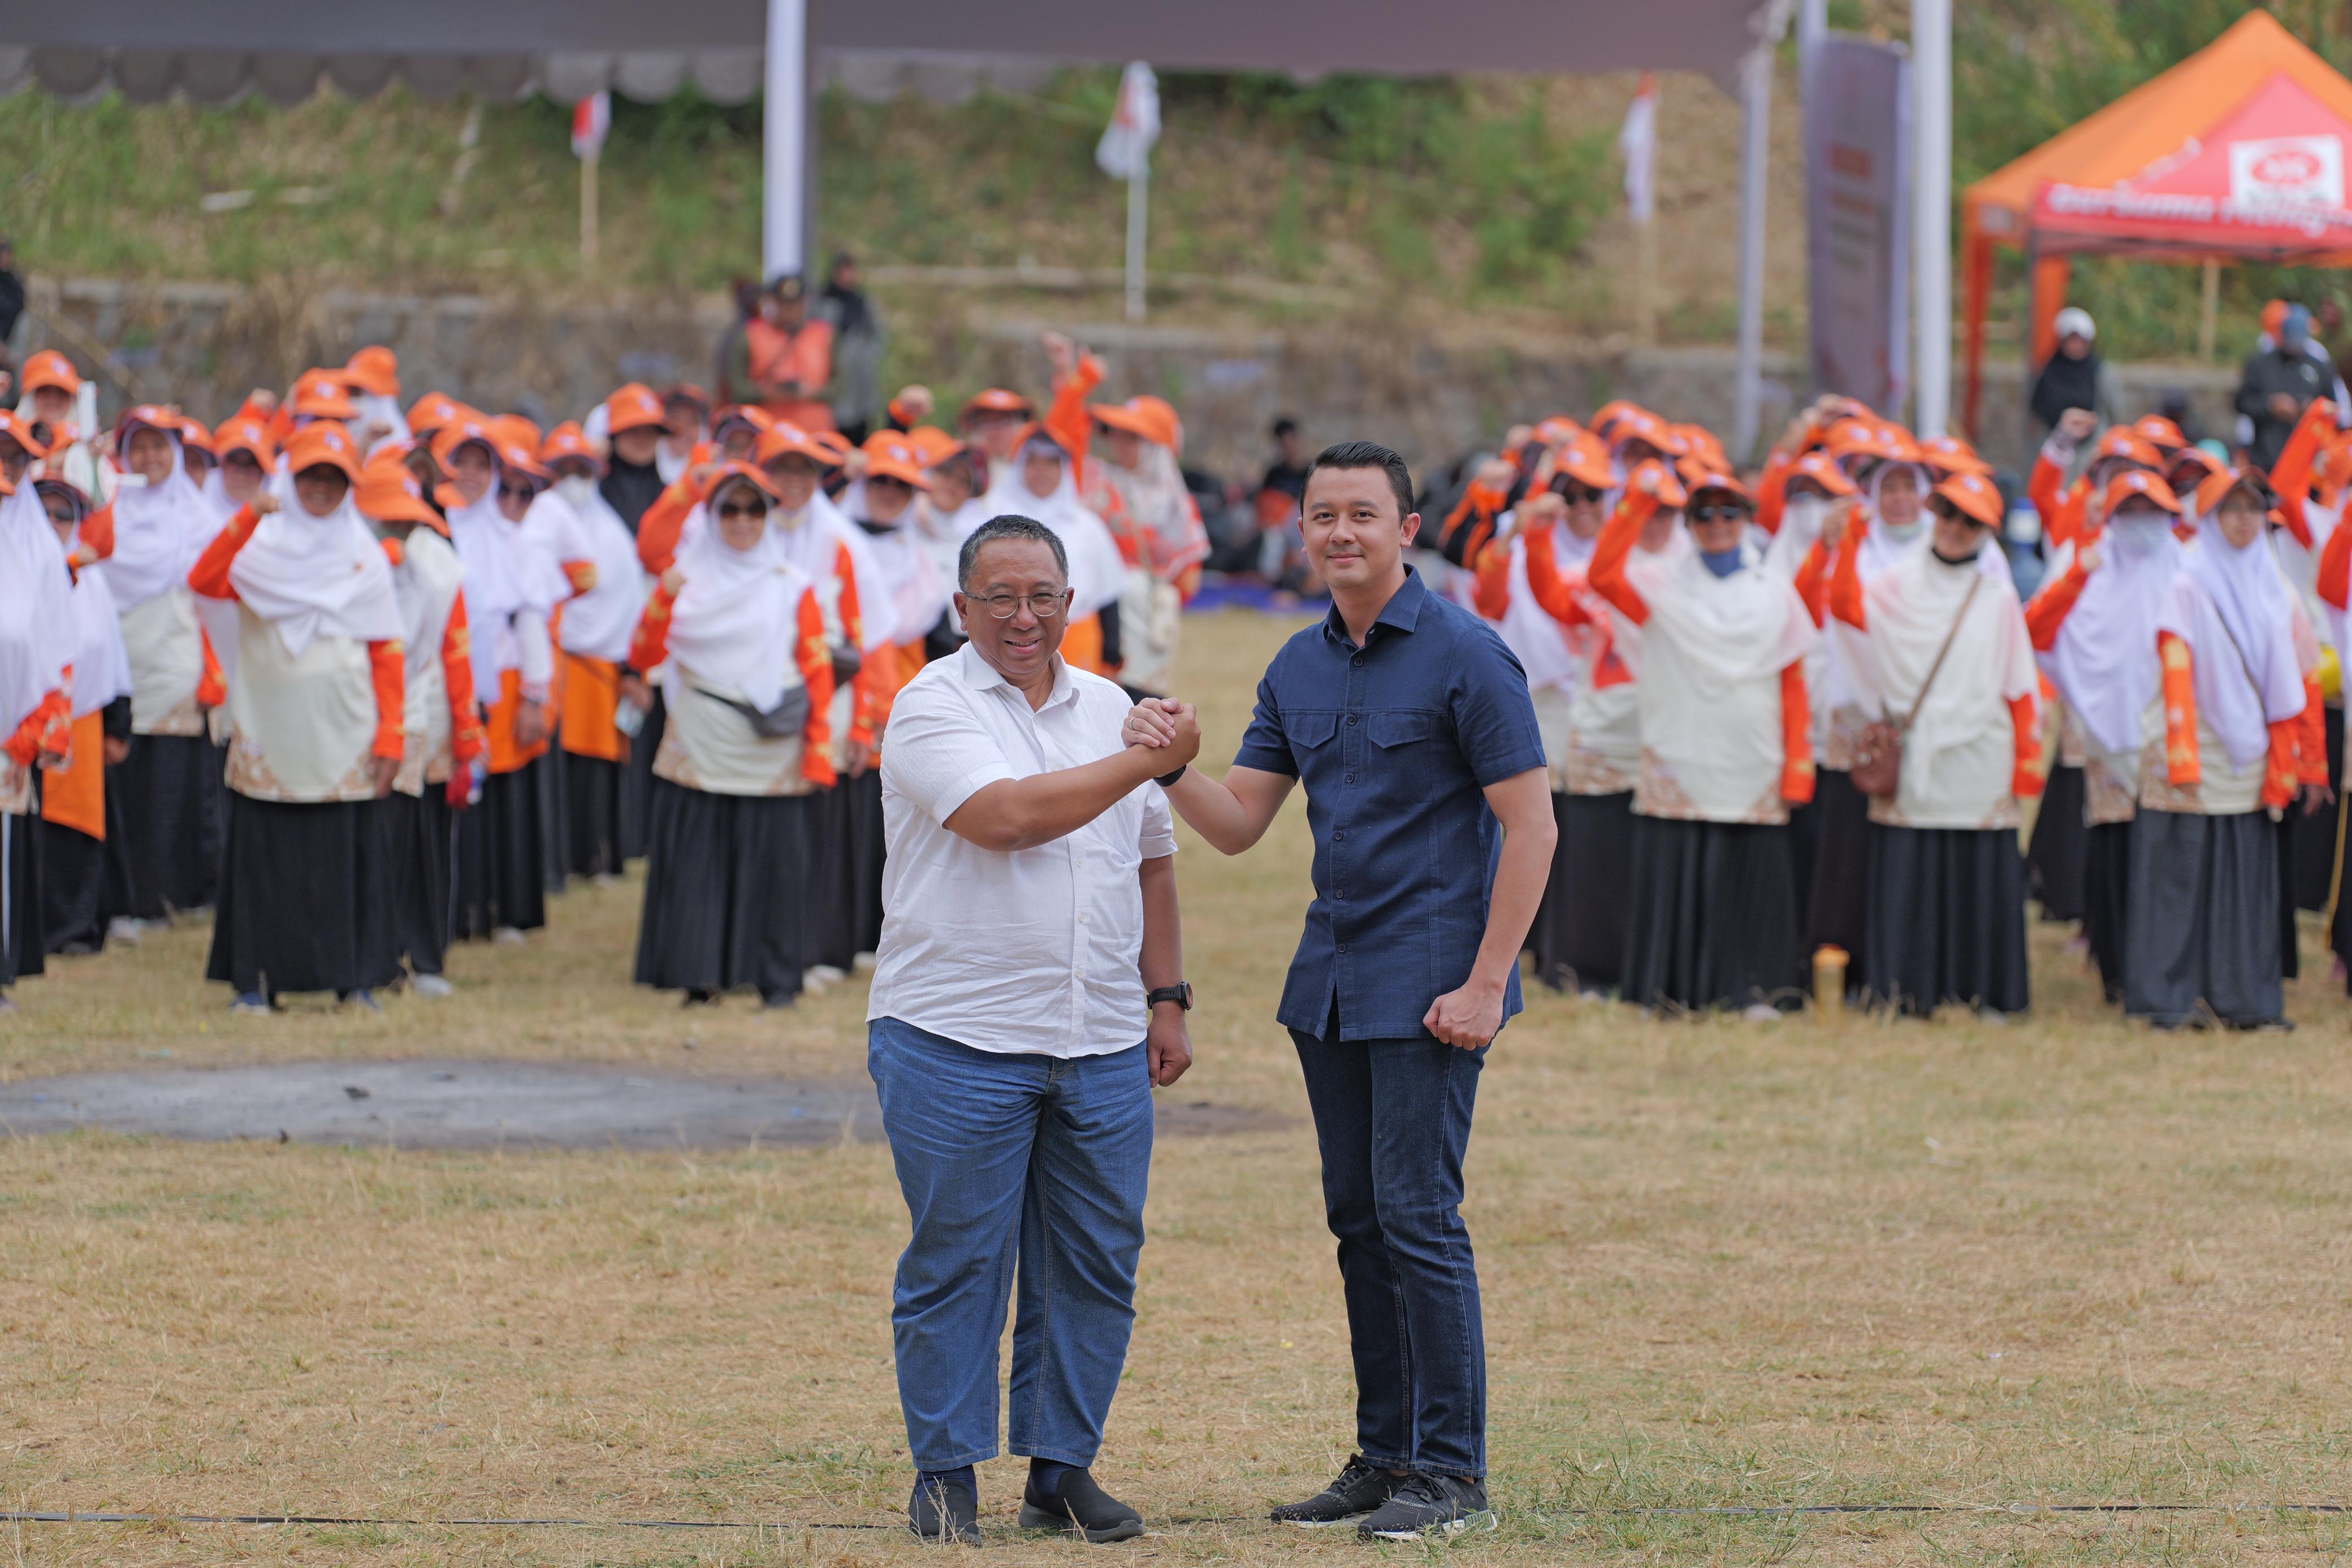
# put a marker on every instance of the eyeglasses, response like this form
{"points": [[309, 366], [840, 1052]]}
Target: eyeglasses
{"points": [[1716, 514], [1044, 606], [728, 509], [1577, 495]]}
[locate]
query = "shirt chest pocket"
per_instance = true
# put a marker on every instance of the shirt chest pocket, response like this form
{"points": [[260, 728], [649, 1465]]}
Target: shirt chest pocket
{"points": [[1309, 730], [1396, 731]]}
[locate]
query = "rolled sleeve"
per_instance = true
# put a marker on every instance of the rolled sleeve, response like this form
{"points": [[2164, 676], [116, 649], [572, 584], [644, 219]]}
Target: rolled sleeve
{"points": [[1158, 836], [1494, 716], [941, 755], [1263, 744]]}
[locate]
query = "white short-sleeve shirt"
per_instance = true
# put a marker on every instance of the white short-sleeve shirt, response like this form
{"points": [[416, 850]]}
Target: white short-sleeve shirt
{"points": [[1024, 951]]}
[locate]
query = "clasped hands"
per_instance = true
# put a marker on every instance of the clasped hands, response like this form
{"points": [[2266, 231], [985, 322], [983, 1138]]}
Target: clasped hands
{"points": [[1159, 724]]}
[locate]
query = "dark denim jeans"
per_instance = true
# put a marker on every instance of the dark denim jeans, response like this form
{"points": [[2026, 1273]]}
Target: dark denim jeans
{"points": [[1002, 1157], [1392, 1119]]}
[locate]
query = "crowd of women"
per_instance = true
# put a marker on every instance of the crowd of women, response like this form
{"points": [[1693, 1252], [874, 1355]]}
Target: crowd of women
{"points": [[1795, 722], [367, 676]]}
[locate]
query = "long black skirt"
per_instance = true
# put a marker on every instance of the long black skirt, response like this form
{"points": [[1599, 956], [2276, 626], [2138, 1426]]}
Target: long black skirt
{"points": [[2283, 834], [725, 884], [2204, 926], [2106, 901], [2311, 861], [305, 899], [1947, 919], [22, 942], [2055, 859], [421, 831], [555, 768], [1713, 917], [501, 855], [638, 791], [844, 882], [175, 817], [73, 889], [1804, 850], [1578, 937], [592, 790], [1837, 914]]}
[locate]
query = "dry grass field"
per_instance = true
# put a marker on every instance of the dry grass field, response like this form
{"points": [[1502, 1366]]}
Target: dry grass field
{"points": [[2063, 1262]]}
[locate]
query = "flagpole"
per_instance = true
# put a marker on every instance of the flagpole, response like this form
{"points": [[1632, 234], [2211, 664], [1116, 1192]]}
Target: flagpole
{"points": [[588, 206], [1138, 205]]}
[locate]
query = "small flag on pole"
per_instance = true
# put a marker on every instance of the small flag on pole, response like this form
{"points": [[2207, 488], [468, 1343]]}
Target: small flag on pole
{"points": [[1125, 151], [1638, 144], [592, 116]]}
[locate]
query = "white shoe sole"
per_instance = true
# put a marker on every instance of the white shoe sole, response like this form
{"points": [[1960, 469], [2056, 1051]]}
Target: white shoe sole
{"points": [[1323, 1523], [1486, 1519]]}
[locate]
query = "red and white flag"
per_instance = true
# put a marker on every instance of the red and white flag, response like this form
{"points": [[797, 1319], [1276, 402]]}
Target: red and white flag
{"points": [[1125, 151], [1638, 144], [592, 116]]}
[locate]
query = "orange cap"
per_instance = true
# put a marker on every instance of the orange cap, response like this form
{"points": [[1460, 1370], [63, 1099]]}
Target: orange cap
{"points": [[390, 494], [890, 455], [749, 413], [686, 391], [785, 439], [2221, 481], [1862, 438], [2122, 441], [1700, 442], [835, 445], [432, 411], [997, 400], [726, 471], [633, 407], [1822, 470], [244, 434], [50, 368], [2159, 433], [154, 415], [1584, 459], [20, 431], [1654, 478], [566, 440], [513, 429], [194, 433], [1605, 418], [1641, 425], [320, 394], [374, 369], [460, 433], [2189, 467], [1950, 454], [2140, 483], [1554, 429], [326, 442], [1974, 495], [1717, 479], [935, 445]]}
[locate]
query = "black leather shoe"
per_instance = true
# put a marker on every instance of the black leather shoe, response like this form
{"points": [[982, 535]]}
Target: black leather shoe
{"points": [[944, 1512], [1079, 1508]]}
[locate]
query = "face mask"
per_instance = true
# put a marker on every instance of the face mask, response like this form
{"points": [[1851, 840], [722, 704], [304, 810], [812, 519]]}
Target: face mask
{"points": [[2137, 534], [128, 480], [576, 488], [1806, 514]]}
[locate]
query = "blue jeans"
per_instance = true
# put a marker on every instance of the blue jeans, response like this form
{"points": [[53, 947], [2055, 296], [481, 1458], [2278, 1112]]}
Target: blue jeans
{"points": [[1003, 1157], [1392, 1120]]}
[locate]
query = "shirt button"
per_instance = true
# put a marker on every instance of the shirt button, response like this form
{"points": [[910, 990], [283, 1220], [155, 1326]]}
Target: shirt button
{"points": [[1341, 894], [1082, 920], [1351, 718], [1358, 661], [1343, 947], [1351, 778], [1339, 835]]}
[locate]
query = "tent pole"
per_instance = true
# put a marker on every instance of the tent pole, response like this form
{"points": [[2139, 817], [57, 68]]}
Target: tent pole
{"points": [[1931, 210], [783, 241], [2208, 311], [2025, 342], [1755, 150]]}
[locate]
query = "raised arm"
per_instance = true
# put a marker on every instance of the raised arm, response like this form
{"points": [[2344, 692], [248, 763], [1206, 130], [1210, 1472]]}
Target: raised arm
{"points": [[209, 576], [2291, 475], [1606, 574], [1021, 813], [1232, 813], [2048, 610], [1846, 602]]}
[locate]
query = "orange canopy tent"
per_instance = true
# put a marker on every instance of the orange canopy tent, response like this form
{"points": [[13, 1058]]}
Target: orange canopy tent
{"points": [[2236, 153]]}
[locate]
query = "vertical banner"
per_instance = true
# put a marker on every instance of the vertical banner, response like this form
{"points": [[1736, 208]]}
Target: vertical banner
{"points": [[1858, 219]]}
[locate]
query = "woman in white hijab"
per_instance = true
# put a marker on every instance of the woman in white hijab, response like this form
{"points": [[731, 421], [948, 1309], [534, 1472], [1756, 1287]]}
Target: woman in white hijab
{"points": [[174, 807], [83, 883], [2220, 753], [317, 706], [37, 640], [737, 633], [1942, 653], [1726, 752], [1038, 486], [594, 635]]}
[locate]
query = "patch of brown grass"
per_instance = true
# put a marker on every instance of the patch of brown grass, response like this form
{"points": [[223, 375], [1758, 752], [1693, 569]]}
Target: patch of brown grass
{"points": [[2065, 1261]]}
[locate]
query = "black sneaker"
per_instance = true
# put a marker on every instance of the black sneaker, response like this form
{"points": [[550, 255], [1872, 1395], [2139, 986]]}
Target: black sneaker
{"points": [[1358, 1490], [1079, 1508], [1427, 1505], [944, 1512]]}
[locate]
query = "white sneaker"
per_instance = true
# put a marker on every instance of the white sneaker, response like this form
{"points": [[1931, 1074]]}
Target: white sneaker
{"points": [[123, 928], [814, 984], [429, 985], [1761, 1012], [823, 974], [512, 935]]}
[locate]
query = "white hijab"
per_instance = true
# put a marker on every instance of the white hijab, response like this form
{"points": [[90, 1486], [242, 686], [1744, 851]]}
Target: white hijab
{"points": [[920, 595], [317, 577], [1097, 572], [1539, 642], [1728, 630], [159, 531], [1912, 612], [37, 621], [2230, 606], [599, 623], [737, 621], [2104, 662], [505, 575]]}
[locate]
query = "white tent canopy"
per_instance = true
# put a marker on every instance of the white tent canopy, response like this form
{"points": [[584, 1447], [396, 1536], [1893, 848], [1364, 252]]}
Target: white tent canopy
{"points": [[215, 50]]}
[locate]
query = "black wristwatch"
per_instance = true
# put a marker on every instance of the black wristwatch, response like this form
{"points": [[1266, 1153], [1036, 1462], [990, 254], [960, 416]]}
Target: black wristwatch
{"points": [[1168, 781], [1180, 993]]}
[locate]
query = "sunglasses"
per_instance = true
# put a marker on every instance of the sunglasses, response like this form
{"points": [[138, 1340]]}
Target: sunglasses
{"points": [[729, 509], [1718, 512], [1578, 495]]}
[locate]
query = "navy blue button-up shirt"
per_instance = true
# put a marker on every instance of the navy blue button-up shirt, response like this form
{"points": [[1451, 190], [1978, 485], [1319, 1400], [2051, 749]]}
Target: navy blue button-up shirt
{"points": [[1395, 742]]}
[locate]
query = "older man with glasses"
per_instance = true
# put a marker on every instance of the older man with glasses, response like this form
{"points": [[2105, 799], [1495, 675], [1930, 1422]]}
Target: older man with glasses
{"points": [[1029, 930]]}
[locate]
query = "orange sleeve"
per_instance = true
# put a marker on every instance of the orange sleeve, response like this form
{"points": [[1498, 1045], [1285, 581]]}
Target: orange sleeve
{"points": [[2041, 488], [2181, 763], [581, 574], [864, 683], [388, 662], [657, 530], [1773, 490], [1490, 593], [36, 734], [1796, 735], [1475, 512], [2335, 565], [1068, 420], [1846, 602], [650, 645], [2279, 781], [212, 687], [1553, 591], [209, 576], [2291, 475], [98, 533], [467, 739], [1811, 582], [2311, 736], [2048, 610], [2026, 780], [1606, 574], [817, 671]]}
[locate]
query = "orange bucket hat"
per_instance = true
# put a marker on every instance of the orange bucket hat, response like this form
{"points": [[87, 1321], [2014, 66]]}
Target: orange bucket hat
{"points": [[328, 444], [633, 407], [1975, 496], [890, 455], [50, 368], [375, 371], [390, 494]]}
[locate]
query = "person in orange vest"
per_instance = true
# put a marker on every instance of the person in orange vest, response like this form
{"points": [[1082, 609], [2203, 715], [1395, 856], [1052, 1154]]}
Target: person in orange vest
{"points": [[82, 882], [788, 357]]}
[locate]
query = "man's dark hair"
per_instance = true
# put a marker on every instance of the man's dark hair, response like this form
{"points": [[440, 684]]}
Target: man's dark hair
{"points": [[1284, 426], [1368, 454], [1009, 527]]}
